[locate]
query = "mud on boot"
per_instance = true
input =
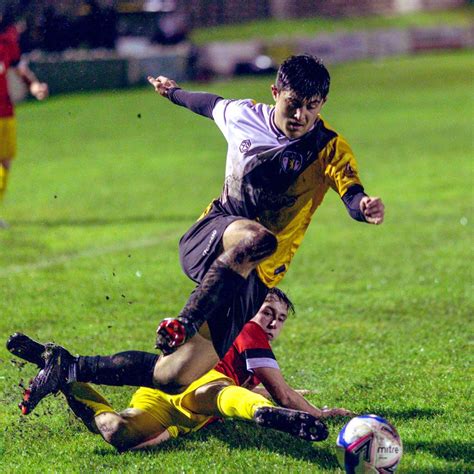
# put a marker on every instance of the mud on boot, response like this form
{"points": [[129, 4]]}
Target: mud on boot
{"points": [[25, 348], [50, 379]]}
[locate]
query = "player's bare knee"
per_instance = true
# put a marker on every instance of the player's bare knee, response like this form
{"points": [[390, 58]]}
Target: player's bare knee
{"points": [[259, 244], [267, 244], [113, 428], [120, 434]]}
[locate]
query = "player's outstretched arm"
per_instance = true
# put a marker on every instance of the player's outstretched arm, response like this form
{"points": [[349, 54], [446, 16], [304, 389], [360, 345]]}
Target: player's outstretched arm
{"points": [[162, 84], [201, 103], [277, 387]]}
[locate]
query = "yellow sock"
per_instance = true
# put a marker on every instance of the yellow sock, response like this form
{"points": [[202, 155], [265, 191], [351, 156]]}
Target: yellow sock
{"points": [[92, 401], [238, 402], [3, 181]]}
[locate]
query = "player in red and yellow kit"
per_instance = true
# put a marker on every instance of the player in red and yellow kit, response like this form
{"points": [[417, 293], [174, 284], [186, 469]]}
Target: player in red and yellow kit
{"points": [[226, 391], [10, 56]]}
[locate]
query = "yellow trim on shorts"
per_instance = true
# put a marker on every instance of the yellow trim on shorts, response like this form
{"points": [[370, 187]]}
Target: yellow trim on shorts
{"points": [[168, 409], [7, 138]]}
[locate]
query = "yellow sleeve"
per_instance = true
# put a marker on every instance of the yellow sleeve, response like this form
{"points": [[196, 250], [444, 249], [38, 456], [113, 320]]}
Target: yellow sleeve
{"points": [[340, 166]]}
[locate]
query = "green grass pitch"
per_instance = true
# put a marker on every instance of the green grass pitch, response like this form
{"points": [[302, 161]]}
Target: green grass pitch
{"points": [[105, 184]]}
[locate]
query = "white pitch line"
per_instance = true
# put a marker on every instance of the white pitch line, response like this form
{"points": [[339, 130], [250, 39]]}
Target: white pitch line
{"points": [[92, 252]]}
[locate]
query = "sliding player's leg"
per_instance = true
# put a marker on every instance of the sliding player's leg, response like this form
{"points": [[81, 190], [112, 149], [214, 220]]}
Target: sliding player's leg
{"points": [[232, 401], [87, 404], [224, 398], [131, 429], [124, 430], [59, 368], [171, 373]]}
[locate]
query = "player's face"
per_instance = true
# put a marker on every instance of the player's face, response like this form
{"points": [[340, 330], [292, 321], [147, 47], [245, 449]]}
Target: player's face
{"points": [[271, 316], [294, 116]]}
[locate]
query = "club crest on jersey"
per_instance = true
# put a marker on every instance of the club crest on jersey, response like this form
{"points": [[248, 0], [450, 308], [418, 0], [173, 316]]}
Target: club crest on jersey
{"points": [[245, 146], [349, 170], [291, 162]]}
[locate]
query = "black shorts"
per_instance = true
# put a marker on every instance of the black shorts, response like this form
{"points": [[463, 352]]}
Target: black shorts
{"points": [[198, 249]]}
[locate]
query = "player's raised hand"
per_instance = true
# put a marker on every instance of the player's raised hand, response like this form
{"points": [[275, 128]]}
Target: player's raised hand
{"points": [[162, 84], [39, 90], [373, 209]]}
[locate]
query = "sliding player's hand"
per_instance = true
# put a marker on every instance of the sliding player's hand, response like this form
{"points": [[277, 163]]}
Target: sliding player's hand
{"points": [[162, 84], [373, 209]]}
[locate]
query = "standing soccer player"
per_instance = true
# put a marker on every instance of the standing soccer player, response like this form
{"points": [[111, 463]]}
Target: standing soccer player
{"points": [[10, 56], [281, 161]]}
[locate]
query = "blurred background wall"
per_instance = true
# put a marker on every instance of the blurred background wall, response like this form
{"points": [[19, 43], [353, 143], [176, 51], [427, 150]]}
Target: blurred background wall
{"points": [[95, 22], [96, 44]]}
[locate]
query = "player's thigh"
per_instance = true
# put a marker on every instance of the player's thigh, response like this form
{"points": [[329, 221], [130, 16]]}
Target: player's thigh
{"points": [[174, 372], [204, 399]]}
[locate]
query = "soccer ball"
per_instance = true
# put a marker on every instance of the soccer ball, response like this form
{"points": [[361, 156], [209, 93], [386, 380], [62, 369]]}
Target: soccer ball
{"points": [[369, 444]]}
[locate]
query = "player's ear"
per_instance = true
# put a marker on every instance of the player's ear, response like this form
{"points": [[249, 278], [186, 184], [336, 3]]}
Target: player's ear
{"points": [[275, 92]]}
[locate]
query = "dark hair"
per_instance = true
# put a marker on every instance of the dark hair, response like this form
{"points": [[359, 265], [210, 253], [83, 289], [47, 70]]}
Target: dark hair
{"points": [[7, 17], [281, 295], [304, 74]]}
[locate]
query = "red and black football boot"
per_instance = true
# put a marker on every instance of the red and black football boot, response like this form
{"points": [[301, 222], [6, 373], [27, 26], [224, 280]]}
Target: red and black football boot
{"points": [[174, 332], [50, 379], [295, 422], [26, 348]]}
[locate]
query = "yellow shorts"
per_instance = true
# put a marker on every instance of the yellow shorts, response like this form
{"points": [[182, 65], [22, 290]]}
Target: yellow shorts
{"points": [[7, 138], [168, 410]]}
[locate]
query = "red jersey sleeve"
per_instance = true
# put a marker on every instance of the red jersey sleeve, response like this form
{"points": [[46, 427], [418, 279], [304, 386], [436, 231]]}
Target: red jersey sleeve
{"points": [[253, 346], [251, 350]]}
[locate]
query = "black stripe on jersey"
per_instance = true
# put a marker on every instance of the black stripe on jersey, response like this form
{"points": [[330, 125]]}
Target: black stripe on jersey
{"points": [[263, 188], [317, 139], [272, 178], [258, 354]]}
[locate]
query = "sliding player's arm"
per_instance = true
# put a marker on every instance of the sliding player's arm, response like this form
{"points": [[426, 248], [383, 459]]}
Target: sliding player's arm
{"points": [[261, 390], [277, 387], [201, 103]]}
